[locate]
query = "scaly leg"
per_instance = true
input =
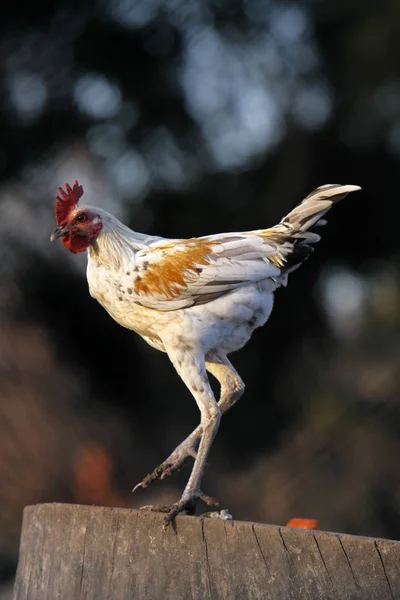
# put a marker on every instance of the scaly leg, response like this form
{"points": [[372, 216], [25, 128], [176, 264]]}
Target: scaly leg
{"points": [[192, 369], [232, 388]]}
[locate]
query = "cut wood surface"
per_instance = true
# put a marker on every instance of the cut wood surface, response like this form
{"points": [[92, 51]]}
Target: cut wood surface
{"points": [[70, 552]]}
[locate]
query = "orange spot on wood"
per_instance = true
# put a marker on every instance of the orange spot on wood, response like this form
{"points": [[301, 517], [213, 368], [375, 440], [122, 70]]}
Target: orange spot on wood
{"points": [[303, 523], [173, 271]]}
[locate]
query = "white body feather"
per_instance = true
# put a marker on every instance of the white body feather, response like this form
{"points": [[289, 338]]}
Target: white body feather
{"points": [[207, 293]]}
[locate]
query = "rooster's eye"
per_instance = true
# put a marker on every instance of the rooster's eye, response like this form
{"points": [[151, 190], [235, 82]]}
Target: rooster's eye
{"points": [[81, 218]]}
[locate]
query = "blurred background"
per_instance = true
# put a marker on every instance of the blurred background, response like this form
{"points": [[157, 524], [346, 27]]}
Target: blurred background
{"points": [[184, 118]]}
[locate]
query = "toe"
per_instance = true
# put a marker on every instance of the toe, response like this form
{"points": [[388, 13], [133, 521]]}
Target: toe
{"points": [[156, 508], [209, 500], [158, 473]]}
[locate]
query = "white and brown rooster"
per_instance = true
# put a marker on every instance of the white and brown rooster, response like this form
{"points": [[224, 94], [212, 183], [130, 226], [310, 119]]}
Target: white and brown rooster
{"points": [[197, 299]]}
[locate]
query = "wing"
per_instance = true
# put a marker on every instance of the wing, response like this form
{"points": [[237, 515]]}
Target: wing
{"points": [[173, 274], [180, 273]]}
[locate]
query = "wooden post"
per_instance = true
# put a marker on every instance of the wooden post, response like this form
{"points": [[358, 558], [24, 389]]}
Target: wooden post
{"points": [[71, 552]]}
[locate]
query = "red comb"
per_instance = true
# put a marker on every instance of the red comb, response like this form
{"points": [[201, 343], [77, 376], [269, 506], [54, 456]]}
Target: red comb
{"points": [[67, 201]]}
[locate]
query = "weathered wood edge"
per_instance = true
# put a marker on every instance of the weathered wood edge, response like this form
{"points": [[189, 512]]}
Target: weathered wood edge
{"points": [[68, 549], [159, 518]]}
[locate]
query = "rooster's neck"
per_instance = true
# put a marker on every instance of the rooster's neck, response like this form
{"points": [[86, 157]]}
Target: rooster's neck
{"points": [[117, 244]]}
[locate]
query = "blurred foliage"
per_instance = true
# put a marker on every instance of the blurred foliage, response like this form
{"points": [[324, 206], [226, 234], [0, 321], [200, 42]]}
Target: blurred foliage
{"points": [[184, 118]]}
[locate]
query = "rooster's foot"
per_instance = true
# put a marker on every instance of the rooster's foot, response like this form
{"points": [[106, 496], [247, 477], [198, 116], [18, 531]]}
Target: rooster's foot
{"points": [[186, 505], [173, 463]]}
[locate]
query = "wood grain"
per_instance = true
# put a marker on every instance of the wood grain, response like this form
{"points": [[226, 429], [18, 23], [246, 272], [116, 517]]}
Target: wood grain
{"points": [[72, 552]]}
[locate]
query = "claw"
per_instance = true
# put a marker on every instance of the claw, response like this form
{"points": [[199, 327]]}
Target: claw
{"points": [[156, 474]]}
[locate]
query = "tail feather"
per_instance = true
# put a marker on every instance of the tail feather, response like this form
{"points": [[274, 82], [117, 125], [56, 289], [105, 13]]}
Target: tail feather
{"points": [[296, 227], [315, 205]]}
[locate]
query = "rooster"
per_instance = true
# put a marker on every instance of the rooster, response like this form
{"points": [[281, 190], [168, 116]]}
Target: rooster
{"points": [[197, 299]]}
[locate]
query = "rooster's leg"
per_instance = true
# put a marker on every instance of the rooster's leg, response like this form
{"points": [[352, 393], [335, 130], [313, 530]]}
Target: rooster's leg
{"points": [[192, 369], [232, 388]]}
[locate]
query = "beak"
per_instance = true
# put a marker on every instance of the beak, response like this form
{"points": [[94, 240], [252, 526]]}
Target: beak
{"points": [[57, 233]]}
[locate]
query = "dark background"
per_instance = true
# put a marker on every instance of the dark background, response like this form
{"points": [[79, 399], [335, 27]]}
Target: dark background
{"points": [[183, 118]]}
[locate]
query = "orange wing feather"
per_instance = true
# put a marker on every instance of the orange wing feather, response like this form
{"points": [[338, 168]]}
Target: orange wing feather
{"points": [[178, 265]]}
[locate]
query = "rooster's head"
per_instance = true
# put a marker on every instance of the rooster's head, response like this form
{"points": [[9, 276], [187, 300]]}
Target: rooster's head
{"points": [[77, 225]]}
